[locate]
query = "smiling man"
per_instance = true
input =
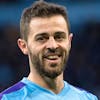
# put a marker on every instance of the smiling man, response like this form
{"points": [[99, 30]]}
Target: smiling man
{"points": [[46, 39]]}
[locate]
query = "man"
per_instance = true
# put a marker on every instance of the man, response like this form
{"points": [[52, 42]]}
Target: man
{"points": [[46, 39]]}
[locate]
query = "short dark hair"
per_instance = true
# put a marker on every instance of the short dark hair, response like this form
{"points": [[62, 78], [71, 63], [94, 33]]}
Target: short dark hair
{"points": [[40, 9]]}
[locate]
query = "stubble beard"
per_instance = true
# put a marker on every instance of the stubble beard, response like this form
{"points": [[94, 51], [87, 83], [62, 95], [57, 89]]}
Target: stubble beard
{"points": [[44, 71]]}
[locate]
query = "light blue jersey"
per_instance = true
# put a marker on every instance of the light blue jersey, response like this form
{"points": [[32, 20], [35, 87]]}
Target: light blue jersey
{"points": [[27, 90]]}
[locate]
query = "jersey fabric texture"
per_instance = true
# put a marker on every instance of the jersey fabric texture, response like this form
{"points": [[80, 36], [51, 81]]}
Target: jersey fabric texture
{"points": [[27, 90]]}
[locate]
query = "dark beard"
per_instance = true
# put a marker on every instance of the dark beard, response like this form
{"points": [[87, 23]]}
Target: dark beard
{"points": [[37, 61]]}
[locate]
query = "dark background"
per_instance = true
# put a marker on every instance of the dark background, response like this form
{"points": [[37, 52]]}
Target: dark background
{"points": [[83, 67]]}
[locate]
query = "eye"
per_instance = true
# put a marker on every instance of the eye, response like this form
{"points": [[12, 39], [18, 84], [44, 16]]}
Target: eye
{"points": [[59, 37], [41, 38]]}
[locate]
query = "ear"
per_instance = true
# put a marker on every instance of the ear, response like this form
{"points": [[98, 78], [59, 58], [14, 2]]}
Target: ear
{"points": [[70, 39], [22, 45]]}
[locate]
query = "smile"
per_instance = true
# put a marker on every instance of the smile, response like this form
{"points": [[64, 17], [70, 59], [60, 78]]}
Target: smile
{"points": [[55, 57]]}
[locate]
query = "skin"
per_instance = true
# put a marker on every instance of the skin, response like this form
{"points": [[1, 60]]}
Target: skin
{"points": [[47, 46]]}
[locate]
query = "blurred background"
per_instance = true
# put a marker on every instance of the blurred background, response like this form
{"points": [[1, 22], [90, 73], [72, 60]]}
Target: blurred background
{"points": [[83, 67]]}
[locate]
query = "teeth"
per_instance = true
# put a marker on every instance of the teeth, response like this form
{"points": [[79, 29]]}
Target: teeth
{"points": [[52, 57]]}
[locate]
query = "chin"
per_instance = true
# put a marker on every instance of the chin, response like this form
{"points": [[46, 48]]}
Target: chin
{"points": [[53, 72]]}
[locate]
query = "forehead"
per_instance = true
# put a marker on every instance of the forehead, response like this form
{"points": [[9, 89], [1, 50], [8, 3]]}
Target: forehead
{"points": [[51, 24]]}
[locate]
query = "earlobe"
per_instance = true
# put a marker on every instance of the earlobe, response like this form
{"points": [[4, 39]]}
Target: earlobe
{"points": [[22, 45], [70, 39]]}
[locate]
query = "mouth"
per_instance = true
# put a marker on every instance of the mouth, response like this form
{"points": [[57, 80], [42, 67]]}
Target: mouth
{"points": [[54, 59]]}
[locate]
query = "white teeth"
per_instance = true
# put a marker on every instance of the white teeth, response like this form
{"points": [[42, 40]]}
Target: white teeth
{"points": [[52, 57]]}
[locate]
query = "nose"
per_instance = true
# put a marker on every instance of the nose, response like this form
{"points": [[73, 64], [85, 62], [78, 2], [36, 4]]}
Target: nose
{"points": [[51, 43]]}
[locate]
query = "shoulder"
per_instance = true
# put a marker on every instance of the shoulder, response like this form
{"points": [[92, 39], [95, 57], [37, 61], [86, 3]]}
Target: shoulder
{"points": [[20, 90], [81, 93], [18, 86]]}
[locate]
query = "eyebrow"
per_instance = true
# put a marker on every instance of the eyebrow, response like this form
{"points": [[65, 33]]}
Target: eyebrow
{"points": [[46, 33], [60, 32], [41, 34]]}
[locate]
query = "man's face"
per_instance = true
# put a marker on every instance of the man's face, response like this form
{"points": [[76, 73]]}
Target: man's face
{"points": [[48, 45]]}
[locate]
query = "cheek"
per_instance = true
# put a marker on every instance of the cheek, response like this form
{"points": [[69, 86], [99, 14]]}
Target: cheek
{"points": [[37, 51], [34, 48], [65, 46]]}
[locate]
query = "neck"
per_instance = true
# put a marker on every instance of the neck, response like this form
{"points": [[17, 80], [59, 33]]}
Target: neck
{"points": [[54, 85]]}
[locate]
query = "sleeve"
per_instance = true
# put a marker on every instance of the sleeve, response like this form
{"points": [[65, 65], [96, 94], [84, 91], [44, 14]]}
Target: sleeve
{"points": [[95, 98], [3, 97], [91, 96]]}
